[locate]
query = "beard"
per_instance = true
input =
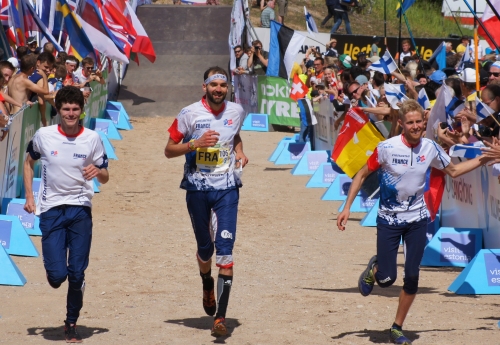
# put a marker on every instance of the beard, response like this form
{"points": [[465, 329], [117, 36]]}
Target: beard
{"points": [[211, 98]]}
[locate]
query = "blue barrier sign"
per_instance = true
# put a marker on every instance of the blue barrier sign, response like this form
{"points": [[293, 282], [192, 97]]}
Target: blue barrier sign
{"points": [[36, 188], [492, 266], [297, 150], [329, 174], [457, 248], [314, 159], [102, 126], [5, 233], [259, 121], [27, 219]]}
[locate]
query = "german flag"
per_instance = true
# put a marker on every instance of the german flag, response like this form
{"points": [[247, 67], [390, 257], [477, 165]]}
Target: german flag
{"points": [[356, 141]]}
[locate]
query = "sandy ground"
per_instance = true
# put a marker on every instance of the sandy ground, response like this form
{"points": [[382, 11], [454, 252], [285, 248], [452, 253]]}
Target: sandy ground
{"points": [[295, 273]]}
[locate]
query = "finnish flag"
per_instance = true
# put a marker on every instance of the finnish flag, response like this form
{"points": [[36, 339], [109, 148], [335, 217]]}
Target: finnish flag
{"points": [[465, 58], [454, 107], [372, 101], [283, 49], [469, 151], [423, 99], [385, 65], [310, 23], [482, 110], [394, 95]]}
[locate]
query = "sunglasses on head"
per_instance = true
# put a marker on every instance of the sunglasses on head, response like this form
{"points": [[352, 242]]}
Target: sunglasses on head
{"points": [[495, 74]]}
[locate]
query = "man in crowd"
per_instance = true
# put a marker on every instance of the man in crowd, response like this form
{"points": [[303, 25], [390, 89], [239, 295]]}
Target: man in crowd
{"points": [[44, 64], [282, 10], [71, 157], [267, 15], [258, 59], [494, 72], [318, 70], [72, 64], [406, 52], [402, 211], [207, 134], [33, 45], [86, 73]]}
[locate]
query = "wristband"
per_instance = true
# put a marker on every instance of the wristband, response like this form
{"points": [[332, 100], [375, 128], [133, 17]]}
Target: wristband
{"points": [[191, 146]]}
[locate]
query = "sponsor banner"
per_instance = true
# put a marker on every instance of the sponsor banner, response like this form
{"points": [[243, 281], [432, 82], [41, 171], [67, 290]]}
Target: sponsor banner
{"points": [[273, 94], [457, 247], [96, 104], [11, 171], [489, 193], [30, 124], [492, 266], [245, 92]]}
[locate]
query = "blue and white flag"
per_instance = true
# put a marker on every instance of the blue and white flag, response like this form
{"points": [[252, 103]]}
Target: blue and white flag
{"points": [[394, 95], [385, 65], [454, 107], [283, 49], [465, 58], [372, 101], [439, 55], [41, 26], [482, 110], [438, 111], [423, 99], [469, 151], [310, 23]]}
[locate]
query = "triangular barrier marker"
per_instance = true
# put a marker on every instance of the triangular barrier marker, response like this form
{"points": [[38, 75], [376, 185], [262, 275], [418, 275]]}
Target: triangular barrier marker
{"points": [[277, 151], [108, 147], [371, 217], [9, 274], [481, 276], [14, 238], [453, 247], [361, 203], [28, 220], [256, 122], [119, 119], [117, 106], [310, 162], [292, 153], [107, 127], [324, 175], [36, 188], [338, 189]]}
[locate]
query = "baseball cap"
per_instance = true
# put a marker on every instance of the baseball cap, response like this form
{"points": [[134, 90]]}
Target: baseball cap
{"points": [[496, 64], [361, 54], [374, 59], [438, 77], [361, 79], [14, 62], [346, 60], [468, 75], [31, 39]]}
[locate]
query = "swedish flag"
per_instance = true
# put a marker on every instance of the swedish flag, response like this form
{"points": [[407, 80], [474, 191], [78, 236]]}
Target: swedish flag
{"points": [[406, 5], [80, 43]]}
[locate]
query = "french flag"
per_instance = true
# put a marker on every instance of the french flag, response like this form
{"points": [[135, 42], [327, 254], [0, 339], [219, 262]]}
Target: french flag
{"points": [[491, 22], [283, 49]]}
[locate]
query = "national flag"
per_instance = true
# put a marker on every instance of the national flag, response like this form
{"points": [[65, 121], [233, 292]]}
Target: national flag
{"points": [[438, 112], [454, 107], [491, 23], [433, 190], [4, 12], [142, 42], [356, 142], [80, 43], [406, 5], [91, 14], [439, 55], [310, 23], [465, 58], [394, 95], [16, 23], [307, 117], [482, 111], [299, 89], [101, 42], [41, 26], [283, 49], [118, 24], [469, 151], [385, 65], [423, 99], [371, 99]]}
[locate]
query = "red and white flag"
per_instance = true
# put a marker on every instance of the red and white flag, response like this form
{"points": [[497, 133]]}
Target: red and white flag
{"points": [[492, 24], [142, 42], [299, 89]]}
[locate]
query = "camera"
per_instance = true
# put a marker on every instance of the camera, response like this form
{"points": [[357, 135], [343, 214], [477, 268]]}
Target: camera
{"points": [[484, 131]]}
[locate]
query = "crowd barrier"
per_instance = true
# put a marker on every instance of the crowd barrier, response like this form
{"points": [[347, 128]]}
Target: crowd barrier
{"points": [[16, 225]]}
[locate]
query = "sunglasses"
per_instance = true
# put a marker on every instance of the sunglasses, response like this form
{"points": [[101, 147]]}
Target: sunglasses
{"points": [[355, 90], [88, 67], [495, 74], [237, 51]]}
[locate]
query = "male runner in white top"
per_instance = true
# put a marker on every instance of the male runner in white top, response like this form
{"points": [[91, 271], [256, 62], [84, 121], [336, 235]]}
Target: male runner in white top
{"points": [[71, 157], [402, 162]]}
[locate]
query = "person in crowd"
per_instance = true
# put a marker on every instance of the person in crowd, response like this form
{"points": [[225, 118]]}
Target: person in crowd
{"points": [[212, 187], [330, 49], [406, 52], [421, 79], [22, 51], [49, 48], [267, 15], [86, 73], [449, 49], [72, 65], [341, 14], [241, 60], [317, 71], [494, 72], [375, 51], [44, 64], [33, 45], [65, 204], [282, 10], [330, 6], [20, 87], [464, 42], [61, 57], [258, 59], [402, 212], [345, 62]]}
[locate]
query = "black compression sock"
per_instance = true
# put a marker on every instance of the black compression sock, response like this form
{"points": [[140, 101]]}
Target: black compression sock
{"points": [[223, 289], [206, 278], [396, 326]]}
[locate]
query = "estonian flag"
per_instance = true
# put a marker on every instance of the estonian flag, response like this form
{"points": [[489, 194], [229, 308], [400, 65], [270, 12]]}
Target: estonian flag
{"points": [[423, 99], [283, 49], [385, 65], [482, 110], [310, 23], [307, 117]]}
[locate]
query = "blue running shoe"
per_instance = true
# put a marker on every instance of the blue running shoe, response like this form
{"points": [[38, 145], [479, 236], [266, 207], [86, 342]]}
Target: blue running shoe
{"points": [[397, 337], [367, 278]]}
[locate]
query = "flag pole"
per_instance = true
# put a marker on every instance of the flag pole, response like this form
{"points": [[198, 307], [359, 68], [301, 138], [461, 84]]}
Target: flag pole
{"points": [[454, 18], [476, 48], [481, 24], [385, 23], [399, 39]]}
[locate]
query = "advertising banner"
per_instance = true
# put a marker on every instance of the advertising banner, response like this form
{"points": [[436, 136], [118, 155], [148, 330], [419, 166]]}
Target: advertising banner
{"points": [[245, 92], [274, 99], [30, 124], [12, 170]]}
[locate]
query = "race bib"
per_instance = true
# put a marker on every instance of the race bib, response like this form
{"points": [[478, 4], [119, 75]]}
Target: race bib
{"points": [[213, 159]]}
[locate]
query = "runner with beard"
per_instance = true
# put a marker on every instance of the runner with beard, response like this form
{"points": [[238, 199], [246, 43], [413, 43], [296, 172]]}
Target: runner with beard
{"points": [[207, 134]]}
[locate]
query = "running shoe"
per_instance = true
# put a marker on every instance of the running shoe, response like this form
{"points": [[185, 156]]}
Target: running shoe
{"points": [[209, 303], [71, 334], [53, 285], [219, 329], [397, 337], [367, 278]]}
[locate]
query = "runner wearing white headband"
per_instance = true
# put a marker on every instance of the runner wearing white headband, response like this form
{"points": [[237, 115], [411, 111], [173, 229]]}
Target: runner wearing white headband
{"points": [[215, 76]]}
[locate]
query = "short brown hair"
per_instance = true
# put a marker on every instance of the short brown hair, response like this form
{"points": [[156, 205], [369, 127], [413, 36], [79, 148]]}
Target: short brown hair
{"points": [[409, 106]]}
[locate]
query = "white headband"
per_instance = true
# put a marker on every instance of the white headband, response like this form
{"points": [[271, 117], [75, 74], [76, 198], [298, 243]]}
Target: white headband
{"points": [[215, 76], [71, 62]]}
